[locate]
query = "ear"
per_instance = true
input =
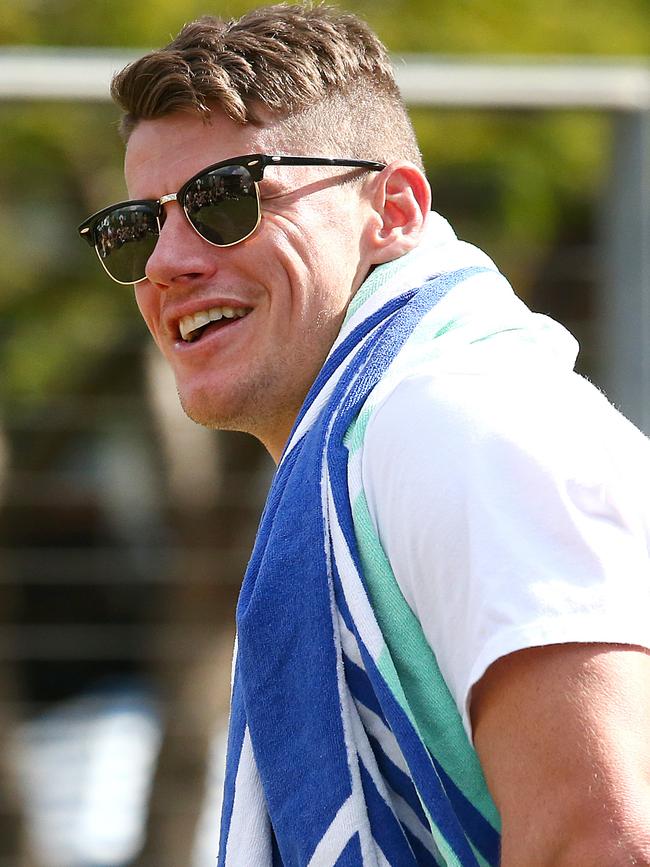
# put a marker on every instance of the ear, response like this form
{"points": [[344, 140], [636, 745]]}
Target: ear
{"points": [[400, 201]]}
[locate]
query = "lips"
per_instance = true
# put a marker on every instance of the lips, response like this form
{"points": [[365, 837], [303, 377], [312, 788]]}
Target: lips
{"points": [[192, 326]]}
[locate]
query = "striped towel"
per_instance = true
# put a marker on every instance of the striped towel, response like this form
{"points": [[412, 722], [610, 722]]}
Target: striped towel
{"points": [[326, 764]]}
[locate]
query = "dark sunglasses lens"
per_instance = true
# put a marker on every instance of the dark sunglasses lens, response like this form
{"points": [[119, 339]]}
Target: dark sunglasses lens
{"points": [[222, 205], [125, 239]]}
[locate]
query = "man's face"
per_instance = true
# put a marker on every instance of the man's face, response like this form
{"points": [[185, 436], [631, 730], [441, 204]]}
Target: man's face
{"points": [[289, 284]]}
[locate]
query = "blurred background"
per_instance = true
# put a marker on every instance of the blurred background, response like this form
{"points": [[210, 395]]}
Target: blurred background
{"points": [[125, 528]]}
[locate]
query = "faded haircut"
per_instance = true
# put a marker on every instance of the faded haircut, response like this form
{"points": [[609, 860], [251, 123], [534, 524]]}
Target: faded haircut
{"points": [[323, 74]]}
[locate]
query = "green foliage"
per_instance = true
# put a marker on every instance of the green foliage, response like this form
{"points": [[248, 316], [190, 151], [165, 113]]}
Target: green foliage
{"points": [[508, 181], [59, 314], [512, 26], [448, 26]]}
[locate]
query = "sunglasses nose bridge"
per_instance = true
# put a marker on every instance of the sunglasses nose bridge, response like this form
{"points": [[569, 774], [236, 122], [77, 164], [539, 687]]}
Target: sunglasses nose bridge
{"points": [[176, 256]]}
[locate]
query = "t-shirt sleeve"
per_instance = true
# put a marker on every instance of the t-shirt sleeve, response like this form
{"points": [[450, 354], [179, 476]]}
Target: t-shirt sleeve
{"points": [[514, 514]]}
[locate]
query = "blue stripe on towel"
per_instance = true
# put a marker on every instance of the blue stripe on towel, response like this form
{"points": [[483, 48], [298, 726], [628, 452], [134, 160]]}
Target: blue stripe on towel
{"points": [[360, 687], [351, 855], [236, 733], [301, 707], [423, 856], [483, 836], [423, 771], [288, 679], [347, 345], [376, 357], [399, 782], [384, 825]]}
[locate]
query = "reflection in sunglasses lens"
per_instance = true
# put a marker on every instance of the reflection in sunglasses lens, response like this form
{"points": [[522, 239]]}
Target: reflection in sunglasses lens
{"points": [[124, 239], [222, 205]]}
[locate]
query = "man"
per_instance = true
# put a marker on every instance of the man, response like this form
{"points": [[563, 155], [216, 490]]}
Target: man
{"points": [[442, 630]]}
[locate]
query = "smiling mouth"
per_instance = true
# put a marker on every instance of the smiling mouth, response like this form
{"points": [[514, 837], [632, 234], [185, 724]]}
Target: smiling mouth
{"points": [[194, 326]]}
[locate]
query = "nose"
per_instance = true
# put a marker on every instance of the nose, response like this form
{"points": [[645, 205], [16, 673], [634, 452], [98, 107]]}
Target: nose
{"points": [[181, 256]]}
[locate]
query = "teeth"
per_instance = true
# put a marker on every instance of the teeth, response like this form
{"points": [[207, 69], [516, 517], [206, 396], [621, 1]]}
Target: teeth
{"points": [[189, 324]]}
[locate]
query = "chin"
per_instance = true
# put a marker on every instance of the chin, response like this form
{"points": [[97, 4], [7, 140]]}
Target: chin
{"points": [[211, 412], [205, 415]]}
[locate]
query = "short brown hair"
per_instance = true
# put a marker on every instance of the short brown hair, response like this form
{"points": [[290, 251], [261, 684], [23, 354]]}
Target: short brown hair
{"points": [[323, 73]]}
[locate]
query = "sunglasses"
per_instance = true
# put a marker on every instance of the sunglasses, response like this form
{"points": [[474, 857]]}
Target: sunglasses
{"points": [[221, 203]]}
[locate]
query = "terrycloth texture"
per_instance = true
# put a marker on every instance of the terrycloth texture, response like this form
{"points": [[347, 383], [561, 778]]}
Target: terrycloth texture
{"points": [[326, 761]]}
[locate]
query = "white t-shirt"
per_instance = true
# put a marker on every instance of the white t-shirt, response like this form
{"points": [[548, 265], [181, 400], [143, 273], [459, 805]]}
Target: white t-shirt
{"points": [[514, 510]]}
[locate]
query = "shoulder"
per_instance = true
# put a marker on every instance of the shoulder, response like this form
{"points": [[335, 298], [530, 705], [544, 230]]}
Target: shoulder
{"points": [[472, 424], [513, 511]]}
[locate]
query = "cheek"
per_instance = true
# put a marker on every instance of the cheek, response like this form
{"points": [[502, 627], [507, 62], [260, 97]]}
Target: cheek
{"points": [[296, 246], [148, 300]]}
